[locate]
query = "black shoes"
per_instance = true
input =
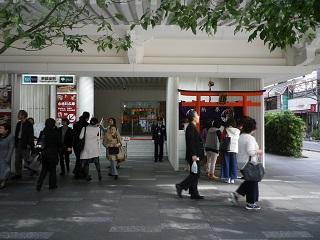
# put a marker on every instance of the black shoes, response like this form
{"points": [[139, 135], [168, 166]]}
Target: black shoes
{"points": [[62, 173], [197, 197], [115, 177], [179, 190], [17, 177], [53, 187]]}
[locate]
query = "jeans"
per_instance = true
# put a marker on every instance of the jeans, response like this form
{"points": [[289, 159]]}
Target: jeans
{"points": [[64, 158], [229, 165], [21, 155], [113, 165]]}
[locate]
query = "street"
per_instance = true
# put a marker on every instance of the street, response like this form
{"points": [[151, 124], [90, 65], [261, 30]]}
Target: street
{"points": [[311, 146]]}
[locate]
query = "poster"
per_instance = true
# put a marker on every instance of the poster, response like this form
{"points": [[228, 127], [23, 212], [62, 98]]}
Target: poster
{"points": [[66, 106], [5, 104]]}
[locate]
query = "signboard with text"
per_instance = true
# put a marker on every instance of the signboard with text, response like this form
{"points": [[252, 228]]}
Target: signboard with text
{"points": [[48, 79], [5, 104], [67, 106]]}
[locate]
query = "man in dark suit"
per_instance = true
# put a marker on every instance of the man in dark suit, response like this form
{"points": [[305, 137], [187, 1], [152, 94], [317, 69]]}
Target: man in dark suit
{"points": [[66, 136], [23, 142], [159, 136]]}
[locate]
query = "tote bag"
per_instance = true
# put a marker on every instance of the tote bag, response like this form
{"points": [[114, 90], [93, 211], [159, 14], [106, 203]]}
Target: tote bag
{"points": [[122, 155], [252, 171]]}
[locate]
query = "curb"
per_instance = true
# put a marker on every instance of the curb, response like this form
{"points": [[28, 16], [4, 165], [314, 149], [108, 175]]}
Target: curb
{"points": [[311, 150]]}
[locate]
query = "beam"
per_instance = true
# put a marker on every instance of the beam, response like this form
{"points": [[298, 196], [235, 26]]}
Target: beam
{"points": [[218, 104], [219, 93]]}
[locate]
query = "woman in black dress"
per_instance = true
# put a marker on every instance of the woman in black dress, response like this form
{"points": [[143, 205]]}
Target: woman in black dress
{"points": [[194, 153]]}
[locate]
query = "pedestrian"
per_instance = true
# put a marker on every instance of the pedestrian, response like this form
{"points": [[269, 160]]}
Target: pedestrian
{"points": [[6, 150], [24, 143], [113, 141], [229, 165], [248, 148], [50, 143], [111, 122], [159, 136], [66, 136], [77, 127], [90, 152], [212, 146], [194, 153]]}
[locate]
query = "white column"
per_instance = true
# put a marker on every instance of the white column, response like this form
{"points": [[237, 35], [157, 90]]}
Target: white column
{"points": [[173, 122], [261, 123], [85, 95], [53, 101]]}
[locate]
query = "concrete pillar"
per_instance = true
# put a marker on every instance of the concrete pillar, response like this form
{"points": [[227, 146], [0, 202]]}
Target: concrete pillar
{"points": [[85, 95], [173, 122], [53, 101]]}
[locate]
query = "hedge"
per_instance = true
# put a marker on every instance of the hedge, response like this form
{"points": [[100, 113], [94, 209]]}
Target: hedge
{"points": [[284, 134]]}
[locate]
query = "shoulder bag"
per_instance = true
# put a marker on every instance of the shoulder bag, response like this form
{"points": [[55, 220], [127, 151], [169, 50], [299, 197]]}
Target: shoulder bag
{"points": [[252, 171]]}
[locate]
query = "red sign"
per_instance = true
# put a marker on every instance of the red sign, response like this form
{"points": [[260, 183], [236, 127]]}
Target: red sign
{"points": [[67, 106]]}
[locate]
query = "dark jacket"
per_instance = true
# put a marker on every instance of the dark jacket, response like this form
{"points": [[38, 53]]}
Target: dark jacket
{"points": [[51, 144], [194, 145], [68, 137], [26, 136], [159, 133], [77, 127]]}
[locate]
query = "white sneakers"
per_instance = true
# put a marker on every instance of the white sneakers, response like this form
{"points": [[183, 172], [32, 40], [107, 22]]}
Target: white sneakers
{"points": [[229, 180]]}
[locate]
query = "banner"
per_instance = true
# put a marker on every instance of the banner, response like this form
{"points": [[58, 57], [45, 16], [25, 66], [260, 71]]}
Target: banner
{"points": [[66, 106], [5, 104]]}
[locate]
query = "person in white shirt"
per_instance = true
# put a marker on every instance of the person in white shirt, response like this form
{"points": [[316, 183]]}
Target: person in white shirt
{"points": [[248, 147], [91, 152], [230, 166]]}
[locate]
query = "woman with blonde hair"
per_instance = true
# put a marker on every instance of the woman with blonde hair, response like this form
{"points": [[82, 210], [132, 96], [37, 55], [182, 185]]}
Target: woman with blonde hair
{"points": [[112, 141]]}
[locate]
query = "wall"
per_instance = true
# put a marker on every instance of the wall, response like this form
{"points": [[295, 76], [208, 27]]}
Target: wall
{"points": [[109, 102]]}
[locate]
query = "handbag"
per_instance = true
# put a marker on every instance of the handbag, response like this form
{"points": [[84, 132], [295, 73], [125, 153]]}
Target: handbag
{"points": [[225, 144], [82, 141], [122, 155], [113, 150], [252, 171]]}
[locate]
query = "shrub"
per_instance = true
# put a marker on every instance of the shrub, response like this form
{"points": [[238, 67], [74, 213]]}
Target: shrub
{"points": [[284, 134], [315, 134]]}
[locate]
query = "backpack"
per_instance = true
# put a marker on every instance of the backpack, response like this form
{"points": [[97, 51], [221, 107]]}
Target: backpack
{"points": [[212, 141]]}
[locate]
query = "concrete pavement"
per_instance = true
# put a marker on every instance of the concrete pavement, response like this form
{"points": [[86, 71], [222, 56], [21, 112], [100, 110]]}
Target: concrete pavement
{"points": [[142, 204]]}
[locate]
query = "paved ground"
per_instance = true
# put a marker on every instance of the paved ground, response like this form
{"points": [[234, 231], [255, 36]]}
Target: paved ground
{"points": [[142, 204], [311, 145]]}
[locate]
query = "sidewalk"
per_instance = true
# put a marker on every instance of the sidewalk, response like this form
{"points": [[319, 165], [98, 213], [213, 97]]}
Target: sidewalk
{"points": [[142, 204]]}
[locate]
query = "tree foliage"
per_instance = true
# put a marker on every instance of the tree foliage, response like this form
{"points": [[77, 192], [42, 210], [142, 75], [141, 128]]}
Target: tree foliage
{"points": [[279, 23], [50, 27], [284, 133]]}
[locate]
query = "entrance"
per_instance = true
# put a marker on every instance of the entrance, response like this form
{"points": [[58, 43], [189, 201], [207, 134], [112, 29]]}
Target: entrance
{"points": [[138, 117]]}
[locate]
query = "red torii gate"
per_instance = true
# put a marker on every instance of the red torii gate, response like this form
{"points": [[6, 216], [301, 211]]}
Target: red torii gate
{"points": [[245, 103]]}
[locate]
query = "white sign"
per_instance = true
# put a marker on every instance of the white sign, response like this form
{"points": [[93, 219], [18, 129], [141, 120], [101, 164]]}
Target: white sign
{"points": [[48, 79]]}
